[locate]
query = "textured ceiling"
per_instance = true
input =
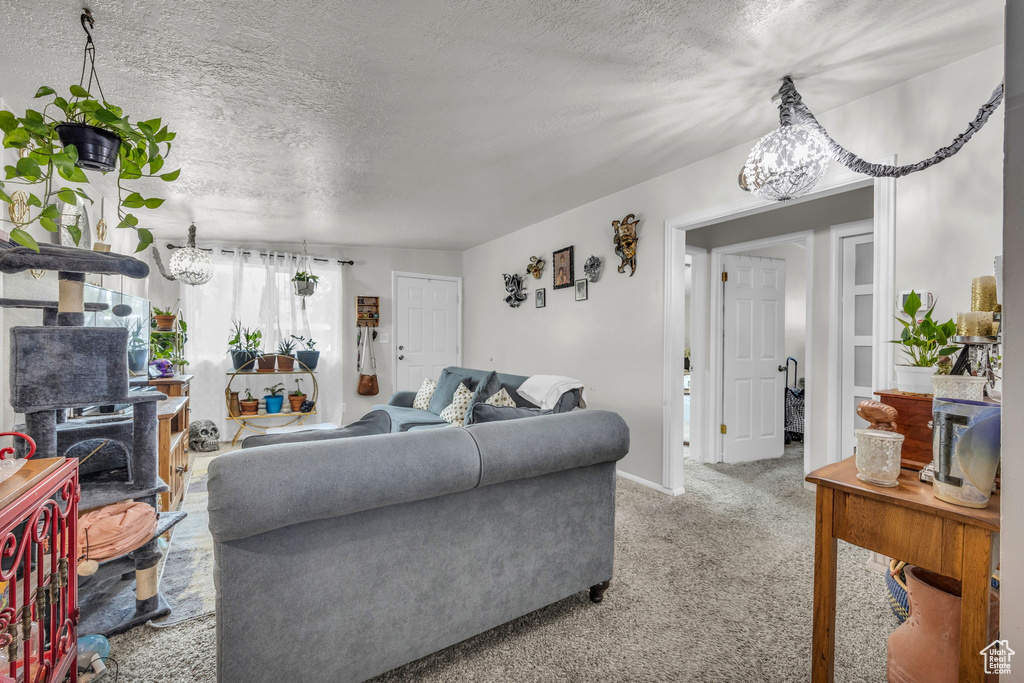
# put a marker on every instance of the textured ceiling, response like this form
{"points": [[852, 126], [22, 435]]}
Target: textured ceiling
{"points": [[433, 123]]}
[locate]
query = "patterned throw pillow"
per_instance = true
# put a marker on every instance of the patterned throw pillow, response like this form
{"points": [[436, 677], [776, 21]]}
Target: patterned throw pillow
{"points": [[501, 399], [456, 412], [423, 396]]}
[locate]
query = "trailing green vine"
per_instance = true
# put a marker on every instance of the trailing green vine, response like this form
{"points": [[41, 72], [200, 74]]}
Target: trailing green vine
{"points": [[145, 146]]}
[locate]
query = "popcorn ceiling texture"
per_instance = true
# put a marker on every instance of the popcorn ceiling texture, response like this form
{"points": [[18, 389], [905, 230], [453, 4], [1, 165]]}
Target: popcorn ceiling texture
{"points": [[448, 123]]}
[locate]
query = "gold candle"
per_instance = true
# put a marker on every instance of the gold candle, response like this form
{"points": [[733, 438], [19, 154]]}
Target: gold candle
{"points": [[974, 324], [983, 294]]}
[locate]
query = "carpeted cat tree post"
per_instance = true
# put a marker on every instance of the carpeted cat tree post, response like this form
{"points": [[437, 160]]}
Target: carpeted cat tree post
{"points": [[64, 365]]}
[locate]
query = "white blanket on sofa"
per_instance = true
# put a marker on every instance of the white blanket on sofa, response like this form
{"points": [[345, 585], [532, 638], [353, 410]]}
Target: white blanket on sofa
{"points": [[545, 390]]}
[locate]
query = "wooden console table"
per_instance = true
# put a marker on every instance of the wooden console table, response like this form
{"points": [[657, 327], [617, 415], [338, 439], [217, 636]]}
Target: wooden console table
{"points": [[906, 522]]}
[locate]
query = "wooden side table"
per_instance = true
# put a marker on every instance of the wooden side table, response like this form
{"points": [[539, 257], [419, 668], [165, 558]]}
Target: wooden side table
{"points": [[172, 444], [909, 523]]}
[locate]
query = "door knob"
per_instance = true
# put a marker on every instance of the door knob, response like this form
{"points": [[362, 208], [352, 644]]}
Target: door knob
{"points": [[401, 358], [401, 348]]}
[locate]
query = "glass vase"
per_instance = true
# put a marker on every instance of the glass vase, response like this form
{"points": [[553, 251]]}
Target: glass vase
{"points": [[878, 456]]}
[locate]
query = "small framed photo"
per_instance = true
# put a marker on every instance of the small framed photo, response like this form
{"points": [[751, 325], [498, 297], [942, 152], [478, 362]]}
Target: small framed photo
{"points": [[581, 289], [540, 298], [562, 265]]}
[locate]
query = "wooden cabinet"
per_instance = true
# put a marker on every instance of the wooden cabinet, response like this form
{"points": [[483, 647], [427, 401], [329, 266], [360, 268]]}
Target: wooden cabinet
{"points": [[914, 423], [172, 386]]}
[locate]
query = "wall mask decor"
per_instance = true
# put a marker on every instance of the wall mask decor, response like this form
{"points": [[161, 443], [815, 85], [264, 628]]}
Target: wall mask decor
{"points": [[625, 242], [592, 268], [535, 267], [563, 268], [516, 288]]}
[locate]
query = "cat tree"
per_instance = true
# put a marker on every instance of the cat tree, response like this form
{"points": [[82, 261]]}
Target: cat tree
{"points": [[64, 365]]}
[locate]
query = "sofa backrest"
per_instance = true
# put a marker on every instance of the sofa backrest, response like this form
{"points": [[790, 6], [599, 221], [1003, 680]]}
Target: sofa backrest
{"points": [[260, 489]]}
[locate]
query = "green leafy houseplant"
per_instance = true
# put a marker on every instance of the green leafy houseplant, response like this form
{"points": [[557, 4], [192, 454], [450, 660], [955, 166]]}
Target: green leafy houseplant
{"points": [[303, 276], [165, 345], [924, 341], [307, 344], [162, 311], [298, 389], [286, 347], [275, 390], [142, 154], [248, 395], [245, 338]]}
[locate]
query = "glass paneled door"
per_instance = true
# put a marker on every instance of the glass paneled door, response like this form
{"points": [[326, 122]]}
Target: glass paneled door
{"points": [[856, 330]]}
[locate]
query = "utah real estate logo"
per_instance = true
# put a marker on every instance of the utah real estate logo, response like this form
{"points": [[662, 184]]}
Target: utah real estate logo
{"points": [[997, 657]]}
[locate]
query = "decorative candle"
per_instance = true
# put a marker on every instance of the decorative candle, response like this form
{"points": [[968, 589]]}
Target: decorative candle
{"points": [[974, 324], [983, 294]]}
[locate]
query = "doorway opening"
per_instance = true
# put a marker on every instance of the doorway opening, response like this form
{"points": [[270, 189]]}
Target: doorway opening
{"points": [[798, 237]]}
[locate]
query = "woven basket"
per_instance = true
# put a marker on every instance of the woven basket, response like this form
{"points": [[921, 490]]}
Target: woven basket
{"points": [[896, 586]]}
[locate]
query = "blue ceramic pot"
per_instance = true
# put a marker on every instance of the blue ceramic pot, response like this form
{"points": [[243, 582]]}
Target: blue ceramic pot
{"points": [[274, 403]]}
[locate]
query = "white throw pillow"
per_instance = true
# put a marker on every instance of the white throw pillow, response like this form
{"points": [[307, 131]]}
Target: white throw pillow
{"points": [[456, 412], [423, 396], [501, 399]]}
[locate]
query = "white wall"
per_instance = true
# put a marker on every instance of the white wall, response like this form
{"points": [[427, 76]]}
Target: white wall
{"points": [[795, 256], [948, 229], [1012, 551]]}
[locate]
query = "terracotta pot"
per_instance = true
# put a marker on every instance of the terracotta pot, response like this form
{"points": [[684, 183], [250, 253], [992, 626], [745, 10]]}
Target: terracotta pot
{"points": [[926, 648], [296, 402], [164, 323], [250, 407], [285, 363], [266, 363]]}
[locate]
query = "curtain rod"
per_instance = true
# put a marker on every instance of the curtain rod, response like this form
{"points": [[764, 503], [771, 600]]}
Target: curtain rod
{"points": [[263, 253]]}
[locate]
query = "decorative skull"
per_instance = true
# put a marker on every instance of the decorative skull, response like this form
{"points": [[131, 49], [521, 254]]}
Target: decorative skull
{"points": [[203, 436], [592, 268], [515, 286]]}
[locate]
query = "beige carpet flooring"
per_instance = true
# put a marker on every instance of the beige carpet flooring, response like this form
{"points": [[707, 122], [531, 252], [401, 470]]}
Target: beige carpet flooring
{"points": [[714, 585]]}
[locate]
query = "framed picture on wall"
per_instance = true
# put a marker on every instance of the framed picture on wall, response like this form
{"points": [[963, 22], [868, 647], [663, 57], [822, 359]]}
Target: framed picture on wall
{"points": [[581, 289], [562, 265], [540, 298]]}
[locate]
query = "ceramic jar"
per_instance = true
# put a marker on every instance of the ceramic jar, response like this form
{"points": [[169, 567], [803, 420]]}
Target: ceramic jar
{"points": [[878, 456], [926, 648]]}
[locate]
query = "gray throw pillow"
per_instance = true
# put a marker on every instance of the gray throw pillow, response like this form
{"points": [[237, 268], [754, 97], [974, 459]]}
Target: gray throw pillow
{"points": [[487, 386], [447, 384], [487, 413]]}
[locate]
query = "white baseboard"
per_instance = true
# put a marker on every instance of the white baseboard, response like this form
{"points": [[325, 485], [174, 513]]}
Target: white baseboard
{"points": [[650, 484]]}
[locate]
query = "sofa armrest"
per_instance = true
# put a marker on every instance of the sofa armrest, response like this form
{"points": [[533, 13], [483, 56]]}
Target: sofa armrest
{"points": [[256, 490], [549, 443], [402, 399], [374, 422]]}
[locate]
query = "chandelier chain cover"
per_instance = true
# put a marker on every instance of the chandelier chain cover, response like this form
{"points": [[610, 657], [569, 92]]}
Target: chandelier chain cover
{"points": [[793, 102]]}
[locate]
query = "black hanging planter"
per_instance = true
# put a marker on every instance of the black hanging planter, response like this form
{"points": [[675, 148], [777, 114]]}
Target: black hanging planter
{"points": [[97, 148]]}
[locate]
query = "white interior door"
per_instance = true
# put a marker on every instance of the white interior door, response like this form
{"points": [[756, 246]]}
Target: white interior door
{"points": [[856, 332], [426, 329], [753, 350]]}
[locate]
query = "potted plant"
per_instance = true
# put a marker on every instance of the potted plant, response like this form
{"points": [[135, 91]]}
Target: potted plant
{"points": [[297, 396], [308, 357], [924, 342], [250, 405], [138, 348], [245, 346], [274, 398], [305, 283], [169, 345], [78, 132], [265, 361], [164, 319], [285, 359]]}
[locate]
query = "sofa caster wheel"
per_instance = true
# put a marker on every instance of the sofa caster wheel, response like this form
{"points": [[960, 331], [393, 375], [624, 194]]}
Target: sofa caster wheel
{"points": [[597, 592]]}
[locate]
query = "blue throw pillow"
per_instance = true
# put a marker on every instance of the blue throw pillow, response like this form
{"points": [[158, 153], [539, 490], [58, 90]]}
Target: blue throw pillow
{"points": [[488, 386], [487, 413], [447, 384]]}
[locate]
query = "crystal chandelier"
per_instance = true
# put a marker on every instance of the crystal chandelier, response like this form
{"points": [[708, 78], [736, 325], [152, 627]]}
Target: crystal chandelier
{"points": [[191, 265], [786, 163]]}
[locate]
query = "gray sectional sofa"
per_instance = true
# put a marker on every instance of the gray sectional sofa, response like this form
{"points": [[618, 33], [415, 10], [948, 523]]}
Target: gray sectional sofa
{"points": [[340, 559], [406, 418]]}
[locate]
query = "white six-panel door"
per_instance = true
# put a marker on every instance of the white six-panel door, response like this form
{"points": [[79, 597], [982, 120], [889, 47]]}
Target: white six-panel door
{"points": [[426, 329], [753, 349]]}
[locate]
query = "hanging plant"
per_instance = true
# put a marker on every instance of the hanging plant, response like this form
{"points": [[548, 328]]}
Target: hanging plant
{"points": [[304, 281], [79, 132]]}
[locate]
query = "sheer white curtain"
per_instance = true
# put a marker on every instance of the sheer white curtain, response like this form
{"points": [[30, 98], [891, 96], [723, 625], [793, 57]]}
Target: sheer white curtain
{"points": [[257, 291]]}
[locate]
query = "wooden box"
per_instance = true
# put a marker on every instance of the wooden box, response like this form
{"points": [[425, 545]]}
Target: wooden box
{"points": [[914, 423]]}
